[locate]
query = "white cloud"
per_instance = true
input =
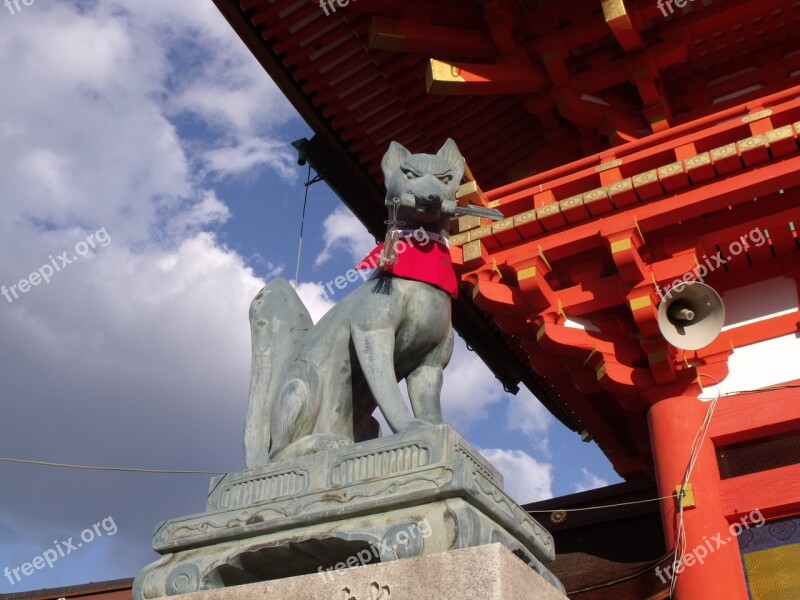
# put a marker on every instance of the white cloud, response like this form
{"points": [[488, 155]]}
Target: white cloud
{"points": [[194, 216], [527, 415], [138, 354], [342, 230], [226, 89], [249, 153], [526, 479], [219, 80], [313, 296], [590, 481], [269, 268], [88, 144], [469, 389]]}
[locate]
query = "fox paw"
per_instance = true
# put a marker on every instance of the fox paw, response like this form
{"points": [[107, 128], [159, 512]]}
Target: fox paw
{"points": [[415, 424]]}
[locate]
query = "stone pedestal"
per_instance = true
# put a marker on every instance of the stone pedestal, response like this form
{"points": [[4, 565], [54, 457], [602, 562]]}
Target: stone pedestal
{"points": [[408, 495], [489, 572]]}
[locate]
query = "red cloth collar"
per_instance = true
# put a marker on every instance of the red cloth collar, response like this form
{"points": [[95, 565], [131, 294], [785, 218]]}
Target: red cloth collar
{"points": [[427, 261]]}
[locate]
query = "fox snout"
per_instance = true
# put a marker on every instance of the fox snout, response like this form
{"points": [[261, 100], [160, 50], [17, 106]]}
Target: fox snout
{"points": [[428, 193]]}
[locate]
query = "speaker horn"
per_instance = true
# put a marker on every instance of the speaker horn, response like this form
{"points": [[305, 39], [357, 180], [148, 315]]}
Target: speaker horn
{"points": [[692, 317]]}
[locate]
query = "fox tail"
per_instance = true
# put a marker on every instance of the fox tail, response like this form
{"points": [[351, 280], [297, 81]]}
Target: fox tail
{"points": [[278, 320]]}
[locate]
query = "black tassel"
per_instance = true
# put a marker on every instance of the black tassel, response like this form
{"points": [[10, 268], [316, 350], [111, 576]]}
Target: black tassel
{"points": [[383, 285]]}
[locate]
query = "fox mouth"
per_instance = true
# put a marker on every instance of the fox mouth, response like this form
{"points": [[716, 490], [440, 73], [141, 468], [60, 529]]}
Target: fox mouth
{"points": [[429, 214], [428, 207]]}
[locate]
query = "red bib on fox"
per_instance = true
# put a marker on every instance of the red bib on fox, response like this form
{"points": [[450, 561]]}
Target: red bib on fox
{"points": [[429, 263]]}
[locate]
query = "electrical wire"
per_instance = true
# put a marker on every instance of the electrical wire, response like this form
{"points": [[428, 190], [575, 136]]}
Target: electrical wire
{"points": [[173, 471], [92, 468], [696, 445], [552, 510], [302, 226], [606, 584], [769, 388], [694, 453]]}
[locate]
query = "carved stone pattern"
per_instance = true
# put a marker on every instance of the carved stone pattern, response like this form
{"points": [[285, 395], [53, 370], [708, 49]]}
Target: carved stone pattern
{"points": [[502, 501], [181, 530], [257, 489], [460, 451], [376, 592], [487, 486], [434, 478], [380, 464], [183, 580]]}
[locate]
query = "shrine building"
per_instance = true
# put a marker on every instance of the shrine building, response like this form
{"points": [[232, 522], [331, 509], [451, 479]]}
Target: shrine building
{"points": [[633, 147]]}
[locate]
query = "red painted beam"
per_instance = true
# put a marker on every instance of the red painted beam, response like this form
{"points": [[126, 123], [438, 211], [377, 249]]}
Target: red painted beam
{"points": [[776, 493], [459, 78], [750, 416], [693, 202], [783, 100], [456, 15], [431, 40]]}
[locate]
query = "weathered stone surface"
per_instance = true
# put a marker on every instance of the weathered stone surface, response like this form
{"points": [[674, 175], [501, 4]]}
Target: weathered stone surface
{"points": [[315, 384], [417, 493], [320, 486], [489, 572]]}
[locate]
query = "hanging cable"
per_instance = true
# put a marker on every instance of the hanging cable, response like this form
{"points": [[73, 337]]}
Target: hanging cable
{"points": [[769, 388], [172, 471], [123, 469], [607, 584], [697, 444], [302, 226], [552, 510]]}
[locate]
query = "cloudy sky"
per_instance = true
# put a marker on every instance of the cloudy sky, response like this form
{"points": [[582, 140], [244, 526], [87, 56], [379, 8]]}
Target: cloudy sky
{"points": [[146, 173]]}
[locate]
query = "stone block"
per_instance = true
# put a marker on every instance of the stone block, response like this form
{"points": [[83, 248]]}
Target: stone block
{"points": [[488, 572], [413, 494]]}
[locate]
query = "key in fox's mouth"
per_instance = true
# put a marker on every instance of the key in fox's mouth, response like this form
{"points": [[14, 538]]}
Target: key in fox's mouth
{"points": [[428, 206]]}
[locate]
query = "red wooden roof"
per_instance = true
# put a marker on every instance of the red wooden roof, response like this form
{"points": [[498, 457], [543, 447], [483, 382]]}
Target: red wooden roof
{"points": [[543, 85], [532, 92], [116, 589]]}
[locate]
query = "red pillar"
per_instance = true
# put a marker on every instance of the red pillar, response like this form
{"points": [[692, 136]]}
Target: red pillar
{"points": [[674, 422]]}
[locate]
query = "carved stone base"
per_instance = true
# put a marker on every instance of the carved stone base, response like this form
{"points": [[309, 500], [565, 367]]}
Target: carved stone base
{"points": [[411, 494], [483, 573]]}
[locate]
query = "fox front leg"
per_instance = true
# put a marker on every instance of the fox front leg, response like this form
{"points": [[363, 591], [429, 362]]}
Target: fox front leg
{"points": [[375, 350], [425, 382]]}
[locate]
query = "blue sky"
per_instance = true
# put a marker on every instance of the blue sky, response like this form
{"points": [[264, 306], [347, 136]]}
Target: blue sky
{"points": [[146, 129]]}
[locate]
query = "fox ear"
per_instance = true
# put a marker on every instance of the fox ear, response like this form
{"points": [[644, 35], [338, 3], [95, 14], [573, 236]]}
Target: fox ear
{"points": [[450, 152], [392, 159]]}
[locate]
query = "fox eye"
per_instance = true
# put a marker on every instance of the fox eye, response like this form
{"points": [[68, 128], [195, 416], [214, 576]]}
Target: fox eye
{"points": [[409, 174], [445, 179]]}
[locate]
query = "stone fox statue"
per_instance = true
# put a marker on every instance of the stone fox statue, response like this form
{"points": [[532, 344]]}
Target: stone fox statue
{"points": [[316, 386]]}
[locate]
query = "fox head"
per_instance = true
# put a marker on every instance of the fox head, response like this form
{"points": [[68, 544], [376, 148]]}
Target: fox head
{"points": [[431, 179]]}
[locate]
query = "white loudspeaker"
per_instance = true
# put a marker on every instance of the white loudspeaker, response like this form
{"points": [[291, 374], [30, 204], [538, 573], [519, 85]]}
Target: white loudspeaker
{"points": [[692, 317]]}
